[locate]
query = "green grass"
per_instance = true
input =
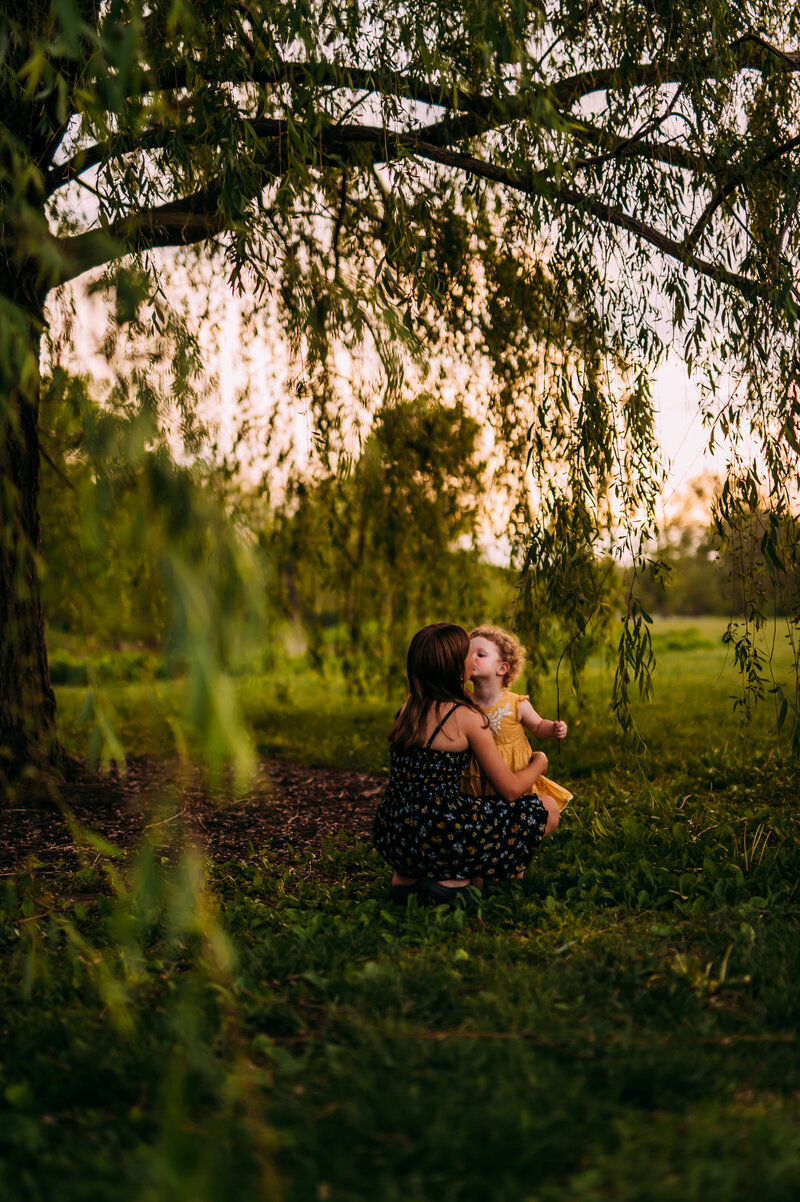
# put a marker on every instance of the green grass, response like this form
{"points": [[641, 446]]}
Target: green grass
{"points": [[296, 715], [621, 1026]]}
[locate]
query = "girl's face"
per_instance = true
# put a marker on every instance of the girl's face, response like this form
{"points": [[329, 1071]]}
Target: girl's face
{"points": [[487, 661]]}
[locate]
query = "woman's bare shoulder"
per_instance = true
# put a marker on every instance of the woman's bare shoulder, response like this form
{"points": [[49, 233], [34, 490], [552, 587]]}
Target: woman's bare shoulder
{"points": [[470, 719]]}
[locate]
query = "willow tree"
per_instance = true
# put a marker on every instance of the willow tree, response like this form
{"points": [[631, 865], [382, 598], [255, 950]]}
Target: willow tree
{"points": [[388, 545], [557, 189]]}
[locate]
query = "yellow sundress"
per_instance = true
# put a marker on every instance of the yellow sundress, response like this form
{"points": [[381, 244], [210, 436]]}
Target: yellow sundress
{"points": [[512, 743]]}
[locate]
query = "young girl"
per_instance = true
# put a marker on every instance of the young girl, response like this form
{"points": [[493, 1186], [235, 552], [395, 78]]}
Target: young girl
{"points": [[498, 659], [436, 839]]}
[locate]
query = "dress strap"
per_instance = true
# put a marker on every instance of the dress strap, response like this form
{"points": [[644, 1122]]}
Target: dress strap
{"points": [[441, 724]]}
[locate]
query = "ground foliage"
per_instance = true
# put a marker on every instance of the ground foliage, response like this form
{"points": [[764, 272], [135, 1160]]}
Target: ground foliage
{"points": [[621, 1025]]}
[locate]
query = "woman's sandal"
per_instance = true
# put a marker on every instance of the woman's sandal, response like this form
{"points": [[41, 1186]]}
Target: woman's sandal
{"points": [[399, 894], [448, 895]]}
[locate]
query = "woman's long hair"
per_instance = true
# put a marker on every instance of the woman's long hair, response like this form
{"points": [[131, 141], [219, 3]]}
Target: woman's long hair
{"points": [[435, 668]]}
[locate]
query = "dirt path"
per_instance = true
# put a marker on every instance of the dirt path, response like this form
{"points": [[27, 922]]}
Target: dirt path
{"points": [[289, 805]]}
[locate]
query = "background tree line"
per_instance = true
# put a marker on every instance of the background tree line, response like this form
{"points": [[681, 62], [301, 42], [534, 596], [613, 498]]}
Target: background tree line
{"points": [[345, 564]]}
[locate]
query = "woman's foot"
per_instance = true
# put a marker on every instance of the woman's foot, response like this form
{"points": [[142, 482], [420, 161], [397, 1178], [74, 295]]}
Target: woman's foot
{"points": [[401, 888], [445, 893]]}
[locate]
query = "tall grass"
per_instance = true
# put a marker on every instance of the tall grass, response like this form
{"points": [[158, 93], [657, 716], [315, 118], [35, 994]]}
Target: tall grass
{"points": [[621, 1025]]}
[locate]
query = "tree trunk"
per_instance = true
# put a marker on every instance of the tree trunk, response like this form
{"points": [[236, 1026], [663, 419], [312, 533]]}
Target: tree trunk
{"points": [[27, 702]]}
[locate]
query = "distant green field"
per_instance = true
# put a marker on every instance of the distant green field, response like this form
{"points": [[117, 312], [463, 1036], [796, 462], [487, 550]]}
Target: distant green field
{"points": [[621, 1026], [295, 714]]}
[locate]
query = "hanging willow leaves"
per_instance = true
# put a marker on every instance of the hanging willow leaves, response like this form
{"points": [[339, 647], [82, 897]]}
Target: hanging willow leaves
{"points": [[548, 193], [389, 545]]}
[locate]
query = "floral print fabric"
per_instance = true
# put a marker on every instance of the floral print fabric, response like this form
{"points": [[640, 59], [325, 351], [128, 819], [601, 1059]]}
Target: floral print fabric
{"points": [[425, 826]]}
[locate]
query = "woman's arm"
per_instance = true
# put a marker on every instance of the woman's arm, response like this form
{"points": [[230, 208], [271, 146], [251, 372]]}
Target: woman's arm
{"points": [[543, 728], [506, 784]]}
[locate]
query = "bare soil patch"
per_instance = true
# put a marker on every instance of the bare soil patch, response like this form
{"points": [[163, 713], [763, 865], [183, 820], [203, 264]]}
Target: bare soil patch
{"points": [[290, 806]]}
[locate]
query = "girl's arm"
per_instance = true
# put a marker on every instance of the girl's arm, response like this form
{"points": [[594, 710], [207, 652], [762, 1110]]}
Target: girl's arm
{"points": [[507, 784], [543, 728]]}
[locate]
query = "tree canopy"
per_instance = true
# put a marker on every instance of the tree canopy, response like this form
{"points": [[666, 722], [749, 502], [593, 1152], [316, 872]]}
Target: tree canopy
{"points": [[551, 192], [388, 544]]}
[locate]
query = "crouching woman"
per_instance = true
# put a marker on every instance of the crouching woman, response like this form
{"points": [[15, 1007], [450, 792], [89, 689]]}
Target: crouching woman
{"points": [[437, 839]]}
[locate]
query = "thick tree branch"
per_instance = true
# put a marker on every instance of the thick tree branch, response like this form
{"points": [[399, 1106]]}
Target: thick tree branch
{"points": [[318, 74], [532, 184], [155, 138], [741, 177], [749, 52], [334, 138], [752, 49], [331, 137], [178, 223], [199, 216]]}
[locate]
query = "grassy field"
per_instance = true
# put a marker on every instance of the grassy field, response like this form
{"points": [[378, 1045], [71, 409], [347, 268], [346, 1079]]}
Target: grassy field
{"points": [[621, 1025], [294, 714]]}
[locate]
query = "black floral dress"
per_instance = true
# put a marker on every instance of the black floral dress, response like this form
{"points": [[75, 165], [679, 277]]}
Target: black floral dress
{"points": [[425, 826]]}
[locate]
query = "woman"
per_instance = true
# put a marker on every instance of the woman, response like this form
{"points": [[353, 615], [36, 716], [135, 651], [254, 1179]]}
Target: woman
{"points": [[437, 840]]}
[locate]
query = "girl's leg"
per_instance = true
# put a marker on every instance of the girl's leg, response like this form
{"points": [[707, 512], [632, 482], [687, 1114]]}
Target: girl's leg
{"points": [[553, 814], [397, 879], [553, 819]]}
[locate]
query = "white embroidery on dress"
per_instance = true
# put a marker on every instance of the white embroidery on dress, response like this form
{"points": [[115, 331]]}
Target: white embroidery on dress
{"points": [[496, 717]]}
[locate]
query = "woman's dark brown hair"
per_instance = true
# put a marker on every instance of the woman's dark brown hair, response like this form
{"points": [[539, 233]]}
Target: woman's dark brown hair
{"points": [[435, 668]]}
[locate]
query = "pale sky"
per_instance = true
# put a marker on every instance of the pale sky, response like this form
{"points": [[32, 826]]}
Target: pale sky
{"points": [[681, 432]]}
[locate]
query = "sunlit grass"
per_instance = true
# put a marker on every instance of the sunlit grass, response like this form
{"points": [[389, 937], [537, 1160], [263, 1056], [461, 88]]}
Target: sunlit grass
{"points": [[296, 714]]}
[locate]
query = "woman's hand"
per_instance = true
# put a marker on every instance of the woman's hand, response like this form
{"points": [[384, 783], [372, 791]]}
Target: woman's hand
{"points": [[507, 784], [538, 761]]}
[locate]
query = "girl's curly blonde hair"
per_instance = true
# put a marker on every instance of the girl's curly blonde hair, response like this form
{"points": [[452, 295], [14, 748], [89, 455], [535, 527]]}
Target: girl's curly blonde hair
{"points": [[509, 646]]}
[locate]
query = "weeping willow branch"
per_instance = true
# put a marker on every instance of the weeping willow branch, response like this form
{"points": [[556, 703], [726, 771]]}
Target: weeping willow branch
{"points": [[181, 222]]}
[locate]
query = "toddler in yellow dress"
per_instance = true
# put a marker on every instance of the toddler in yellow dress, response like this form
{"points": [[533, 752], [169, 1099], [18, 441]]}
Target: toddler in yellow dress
{"points": [[498, 660]]}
